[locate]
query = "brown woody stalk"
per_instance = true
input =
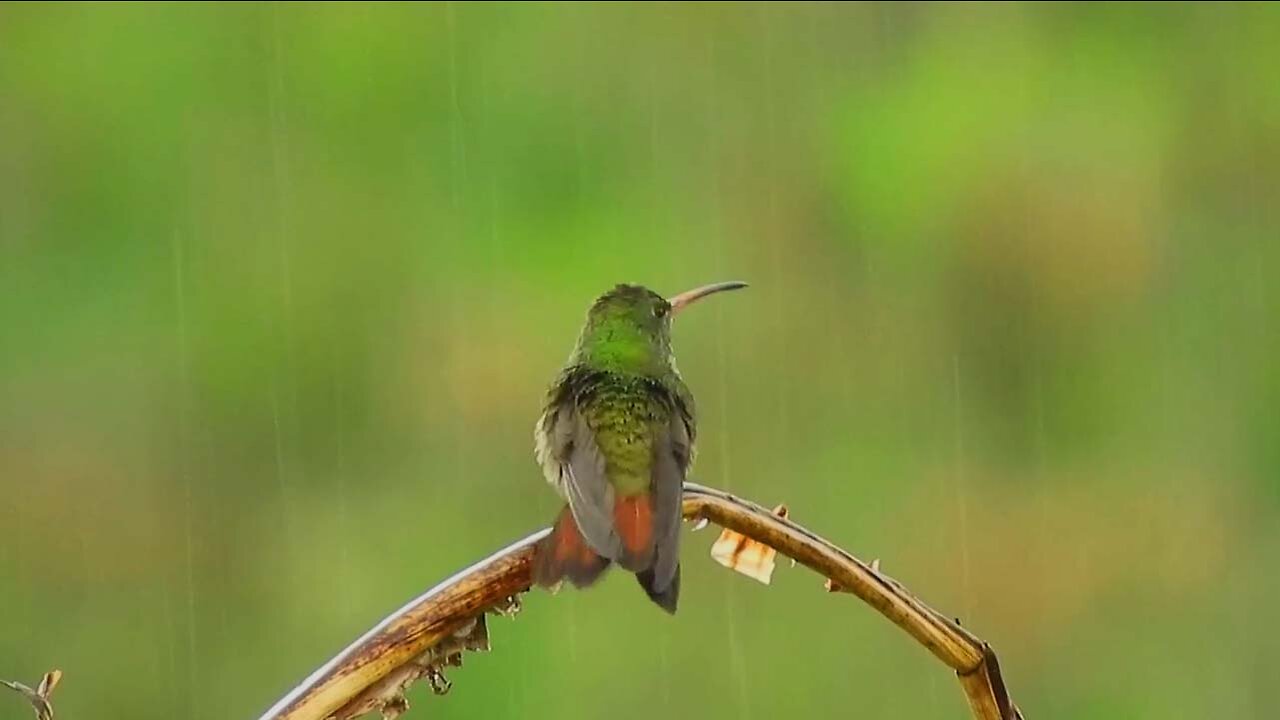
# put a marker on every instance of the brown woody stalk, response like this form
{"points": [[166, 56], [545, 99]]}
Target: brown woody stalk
{"points": [[430, 632]]}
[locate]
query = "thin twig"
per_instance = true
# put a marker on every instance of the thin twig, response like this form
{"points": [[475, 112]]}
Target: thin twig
{"points": [[428, 633]]}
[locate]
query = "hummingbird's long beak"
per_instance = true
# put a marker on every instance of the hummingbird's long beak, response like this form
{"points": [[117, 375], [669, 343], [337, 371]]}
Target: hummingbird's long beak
{"points": [[679, 302]]}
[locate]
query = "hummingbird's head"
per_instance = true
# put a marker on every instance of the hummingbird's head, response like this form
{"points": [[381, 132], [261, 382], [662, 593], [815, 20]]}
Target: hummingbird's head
{"points": [[628, 329]]}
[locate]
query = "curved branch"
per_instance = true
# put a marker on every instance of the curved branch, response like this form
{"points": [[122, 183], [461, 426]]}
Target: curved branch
{"points": [[432, 630]]}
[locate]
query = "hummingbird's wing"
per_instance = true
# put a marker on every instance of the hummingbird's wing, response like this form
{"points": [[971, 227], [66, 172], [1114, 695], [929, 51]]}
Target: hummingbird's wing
{"points": [[572, 462], [586, 486], [670, 459]]}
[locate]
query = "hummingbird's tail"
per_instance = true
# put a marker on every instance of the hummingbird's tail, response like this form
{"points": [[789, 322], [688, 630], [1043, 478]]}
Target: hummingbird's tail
{"points": [[648, 549], [666, 597], [633, 523], [565, 554]]}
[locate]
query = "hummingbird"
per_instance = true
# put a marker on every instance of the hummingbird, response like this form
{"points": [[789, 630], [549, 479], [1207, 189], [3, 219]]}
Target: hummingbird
{"points": [[615, 439]]}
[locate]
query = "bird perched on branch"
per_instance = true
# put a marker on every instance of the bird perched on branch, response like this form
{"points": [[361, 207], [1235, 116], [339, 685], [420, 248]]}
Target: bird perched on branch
{"points": [[615, 439]]}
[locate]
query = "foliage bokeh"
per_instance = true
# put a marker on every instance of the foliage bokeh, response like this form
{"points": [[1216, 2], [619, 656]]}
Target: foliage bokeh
{"points": [[281, 286]]}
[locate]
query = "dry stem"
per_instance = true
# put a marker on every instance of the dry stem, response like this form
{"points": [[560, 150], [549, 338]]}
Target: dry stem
{"points": [[38, 697], [431, 631]]}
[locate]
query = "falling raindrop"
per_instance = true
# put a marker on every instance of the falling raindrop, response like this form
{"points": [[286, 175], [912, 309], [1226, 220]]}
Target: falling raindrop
{"points": [[188, 509], [961, 492], [344, 533]]}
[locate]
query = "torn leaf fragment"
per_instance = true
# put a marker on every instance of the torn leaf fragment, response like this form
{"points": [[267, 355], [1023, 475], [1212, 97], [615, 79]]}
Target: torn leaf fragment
{"points": [[394, 707], [48, 683], [744, 555]]}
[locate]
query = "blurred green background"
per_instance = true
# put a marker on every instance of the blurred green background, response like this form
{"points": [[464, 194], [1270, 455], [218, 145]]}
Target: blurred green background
{"points": [[281, 288]]}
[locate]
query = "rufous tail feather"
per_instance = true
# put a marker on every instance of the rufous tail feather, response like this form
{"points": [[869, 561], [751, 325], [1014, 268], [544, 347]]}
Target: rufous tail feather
{"points": [[564, 554], [633, 521]]}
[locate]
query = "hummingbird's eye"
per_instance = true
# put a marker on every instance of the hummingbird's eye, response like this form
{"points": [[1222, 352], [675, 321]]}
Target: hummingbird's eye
{"points": [[660, 309]]}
